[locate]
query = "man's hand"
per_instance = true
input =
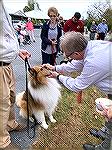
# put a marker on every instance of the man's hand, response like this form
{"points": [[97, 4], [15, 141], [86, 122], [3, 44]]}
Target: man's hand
{"points": [[24, 54], [54, 75], [109, 112], [50, 67], [106, 112]]}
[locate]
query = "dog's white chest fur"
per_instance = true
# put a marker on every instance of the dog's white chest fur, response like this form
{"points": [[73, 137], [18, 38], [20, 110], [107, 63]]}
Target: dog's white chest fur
{"points": [[48, 94]]}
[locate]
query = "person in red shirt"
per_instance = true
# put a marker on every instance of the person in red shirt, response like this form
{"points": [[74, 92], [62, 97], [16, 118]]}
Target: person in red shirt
{"points": [[74, 24]]}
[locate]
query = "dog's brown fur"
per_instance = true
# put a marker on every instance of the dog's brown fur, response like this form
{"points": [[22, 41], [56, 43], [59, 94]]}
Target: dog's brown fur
{"points": [[38, 79]]}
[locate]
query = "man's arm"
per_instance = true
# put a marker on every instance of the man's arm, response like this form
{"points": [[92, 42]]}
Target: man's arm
{"points": [[88, 77], [74, 65], [81, 26]]}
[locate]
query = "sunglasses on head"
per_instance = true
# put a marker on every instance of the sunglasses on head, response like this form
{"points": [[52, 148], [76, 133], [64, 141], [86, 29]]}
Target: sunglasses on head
{"points": [[52, 15]]}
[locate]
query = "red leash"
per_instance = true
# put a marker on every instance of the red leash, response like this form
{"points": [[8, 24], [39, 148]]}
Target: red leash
{"points": [[52, 49], [79, 97]]}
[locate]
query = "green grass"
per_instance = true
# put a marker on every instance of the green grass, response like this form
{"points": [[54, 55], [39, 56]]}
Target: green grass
{"points": [[73, 122]]}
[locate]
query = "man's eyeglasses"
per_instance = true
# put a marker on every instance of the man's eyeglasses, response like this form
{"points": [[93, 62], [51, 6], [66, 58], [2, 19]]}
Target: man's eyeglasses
{"points": [[52, 16], [69, 54]]}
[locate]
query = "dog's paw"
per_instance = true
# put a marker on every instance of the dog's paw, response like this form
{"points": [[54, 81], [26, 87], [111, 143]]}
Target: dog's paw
{"points": [[45, 126], [53, 120]]}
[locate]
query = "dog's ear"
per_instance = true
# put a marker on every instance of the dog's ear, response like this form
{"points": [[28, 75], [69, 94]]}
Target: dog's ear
{"points": [[33, 72]]}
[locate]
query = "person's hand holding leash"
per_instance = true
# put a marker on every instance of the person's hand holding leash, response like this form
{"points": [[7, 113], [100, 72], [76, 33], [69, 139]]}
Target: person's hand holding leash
{"points": [[24, 53]]}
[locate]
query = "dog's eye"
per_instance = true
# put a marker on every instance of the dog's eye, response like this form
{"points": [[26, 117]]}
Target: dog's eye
{"points": [[45, 67], [41, 69]]}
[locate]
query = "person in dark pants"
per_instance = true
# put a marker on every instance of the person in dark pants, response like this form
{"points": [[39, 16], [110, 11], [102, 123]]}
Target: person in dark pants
{"points": [[102, 30], [50, 35], [93, 30], [107, 136], [105, 133]]}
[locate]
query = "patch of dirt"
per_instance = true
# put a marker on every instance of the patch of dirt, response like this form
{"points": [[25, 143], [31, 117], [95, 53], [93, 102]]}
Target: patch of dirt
{"points": [[68, 135]]}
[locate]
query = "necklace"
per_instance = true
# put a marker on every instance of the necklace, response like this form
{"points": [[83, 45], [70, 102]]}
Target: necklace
{"points": [[53, 26]]}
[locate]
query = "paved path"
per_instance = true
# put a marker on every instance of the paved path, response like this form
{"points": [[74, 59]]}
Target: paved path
{"points": [[21, 138]]}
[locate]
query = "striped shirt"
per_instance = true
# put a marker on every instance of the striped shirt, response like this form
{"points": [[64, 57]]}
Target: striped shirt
{"points": [[95, 68], [102, 28]]}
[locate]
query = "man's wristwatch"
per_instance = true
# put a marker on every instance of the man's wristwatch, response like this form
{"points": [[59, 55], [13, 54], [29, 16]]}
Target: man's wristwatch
{"points": [[58, 77], [54, 68]]}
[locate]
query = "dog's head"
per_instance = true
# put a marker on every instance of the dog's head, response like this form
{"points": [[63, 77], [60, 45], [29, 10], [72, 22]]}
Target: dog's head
{"points": [[38, 75]]}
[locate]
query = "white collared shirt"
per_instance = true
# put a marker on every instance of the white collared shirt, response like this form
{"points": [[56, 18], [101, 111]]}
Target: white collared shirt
{"points": [[95, 68], [9, 46]]}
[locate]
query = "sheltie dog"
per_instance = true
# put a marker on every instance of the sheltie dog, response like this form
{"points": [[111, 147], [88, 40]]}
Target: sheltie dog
{"points": [[43, 96]]}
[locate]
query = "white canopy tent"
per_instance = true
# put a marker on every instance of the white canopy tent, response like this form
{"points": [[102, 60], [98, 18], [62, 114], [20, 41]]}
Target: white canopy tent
{"points": [[38, 14]]}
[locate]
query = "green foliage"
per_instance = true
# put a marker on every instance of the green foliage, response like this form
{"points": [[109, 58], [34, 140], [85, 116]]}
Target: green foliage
{"points": [[108, 16], [34, 21], [30, 6], [43, 21], [97, 11], [26, 9]]}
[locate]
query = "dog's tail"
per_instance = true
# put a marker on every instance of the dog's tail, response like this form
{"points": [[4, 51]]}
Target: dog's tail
{"points": [[19, 97]]}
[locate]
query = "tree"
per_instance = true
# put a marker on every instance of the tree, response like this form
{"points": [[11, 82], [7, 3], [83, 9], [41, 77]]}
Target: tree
{"points": [[31, 6], [99, 10], [96, 10], [108, 15], [26, 9]]}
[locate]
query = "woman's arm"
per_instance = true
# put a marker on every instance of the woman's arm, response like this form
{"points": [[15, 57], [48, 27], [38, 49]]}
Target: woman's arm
{"points": [[44, 35]]}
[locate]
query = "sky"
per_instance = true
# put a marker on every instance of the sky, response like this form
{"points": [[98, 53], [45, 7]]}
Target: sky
{"points": [[66, 8]]}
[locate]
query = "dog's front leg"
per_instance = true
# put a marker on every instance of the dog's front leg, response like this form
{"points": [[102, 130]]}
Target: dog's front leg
{"points": [[52, 119], [49, 112], [39, 115]]}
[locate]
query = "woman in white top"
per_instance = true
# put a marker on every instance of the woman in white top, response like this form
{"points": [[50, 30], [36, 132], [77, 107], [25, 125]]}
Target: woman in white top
{"points": [[50, 34]]}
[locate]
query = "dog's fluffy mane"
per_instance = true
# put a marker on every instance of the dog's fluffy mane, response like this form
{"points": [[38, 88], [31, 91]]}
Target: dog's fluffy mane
{"points": [[41, 87], [44, 92]]}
